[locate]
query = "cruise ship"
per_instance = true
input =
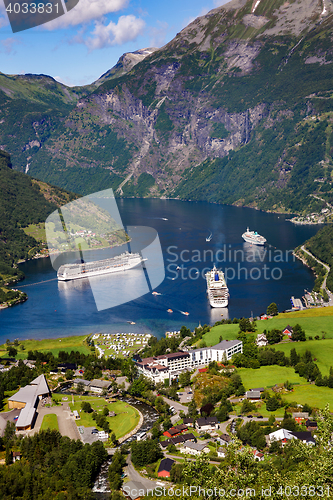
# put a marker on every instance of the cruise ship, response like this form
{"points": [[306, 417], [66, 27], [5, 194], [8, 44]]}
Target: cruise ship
{"points": [[121, 262], [253, 237], [217, 290]]}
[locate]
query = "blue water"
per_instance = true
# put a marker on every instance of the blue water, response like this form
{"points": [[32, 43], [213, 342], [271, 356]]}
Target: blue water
{"points": [[53, 310]]}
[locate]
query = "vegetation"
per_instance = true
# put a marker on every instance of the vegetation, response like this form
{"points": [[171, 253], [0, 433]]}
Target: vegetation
{"points": [[145, 452], [52, 467], [321, 246], [22, 202], [50, 421]]}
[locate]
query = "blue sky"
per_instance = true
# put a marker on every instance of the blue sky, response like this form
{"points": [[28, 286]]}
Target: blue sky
{"points": [[81, 45]]}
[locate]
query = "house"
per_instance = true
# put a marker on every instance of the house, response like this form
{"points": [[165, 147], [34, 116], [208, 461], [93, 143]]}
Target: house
{"points": [[300, 416], [305, 436], [253, 395], [194, 448], [78, 381], [99, 386], [284, 435], [311, 425], [224, 439], [16, 455], [261, 340], [188, 421], [177, 440], [221, 452], [165, 467], [172, 432], [134, 490], [206, 424], [288, 331], [258, 456], [27, 399]]}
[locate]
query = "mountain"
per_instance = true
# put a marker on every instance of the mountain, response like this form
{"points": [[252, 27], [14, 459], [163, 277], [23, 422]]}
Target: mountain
{"points": [[23, 201], [125, 63], [236, 109]]}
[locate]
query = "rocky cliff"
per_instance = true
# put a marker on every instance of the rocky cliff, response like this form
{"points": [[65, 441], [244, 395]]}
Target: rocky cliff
{"points": [[237, 108]]}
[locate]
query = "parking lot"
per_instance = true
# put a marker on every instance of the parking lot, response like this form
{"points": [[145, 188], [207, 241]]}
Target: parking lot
{"points": [[185, 397]]}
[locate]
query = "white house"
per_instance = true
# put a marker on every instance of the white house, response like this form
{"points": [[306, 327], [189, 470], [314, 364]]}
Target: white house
{"points": [[194, 448]]}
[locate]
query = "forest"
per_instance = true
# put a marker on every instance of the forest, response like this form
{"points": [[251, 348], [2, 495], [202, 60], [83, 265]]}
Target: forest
{"points": [[22, 202], [51, 466]]}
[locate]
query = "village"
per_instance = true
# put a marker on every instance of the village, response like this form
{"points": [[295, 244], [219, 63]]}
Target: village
{"points": [[207, 394]]}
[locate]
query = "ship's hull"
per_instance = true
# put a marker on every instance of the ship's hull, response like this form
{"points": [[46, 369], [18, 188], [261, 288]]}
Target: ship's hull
{"points": [[100, 268], [214, 302]]}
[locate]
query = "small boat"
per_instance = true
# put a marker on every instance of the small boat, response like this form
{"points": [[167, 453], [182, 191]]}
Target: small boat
{"points": [[170, 311], [185, 312], [209, 237], [131, 322], [164, 218], [155, 293], [178, 268]]}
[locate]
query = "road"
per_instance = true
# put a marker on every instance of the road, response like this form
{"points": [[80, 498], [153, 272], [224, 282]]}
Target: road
{"points": [[177, 406], [135, 476], [330, 295], [66, 423]]}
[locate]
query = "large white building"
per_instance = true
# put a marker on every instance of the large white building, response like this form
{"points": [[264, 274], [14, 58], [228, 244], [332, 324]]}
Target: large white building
{"points": [[168, 366]]}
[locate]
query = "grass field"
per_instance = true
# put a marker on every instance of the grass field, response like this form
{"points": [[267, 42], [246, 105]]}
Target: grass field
{"points": [[302, 393], [67, 344], [322, 351], [125, 420], [317, 321], [267, 376], [317, 397], [50, 422], [37, 231]]}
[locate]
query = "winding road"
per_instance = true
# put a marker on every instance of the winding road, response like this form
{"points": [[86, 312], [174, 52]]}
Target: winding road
{"points": [[330, 295]]}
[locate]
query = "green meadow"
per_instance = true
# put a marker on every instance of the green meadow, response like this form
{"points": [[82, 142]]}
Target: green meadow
{"points": [[50, 421], [125, 420], [268, 376], [322, 351], [68, 344]]}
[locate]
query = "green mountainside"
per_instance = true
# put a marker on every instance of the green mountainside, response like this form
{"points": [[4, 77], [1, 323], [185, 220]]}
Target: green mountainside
{"points": [[321, 246], [23, 201], [237, 109]]}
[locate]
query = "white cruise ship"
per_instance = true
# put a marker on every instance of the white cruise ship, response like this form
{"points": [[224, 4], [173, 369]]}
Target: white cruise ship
{"points": [[121, 262], [217, 290], [253, 237]]}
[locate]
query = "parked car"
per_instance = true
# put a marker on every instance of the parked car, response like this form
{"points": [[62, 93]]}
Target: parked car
{"points": [[94, 431]]}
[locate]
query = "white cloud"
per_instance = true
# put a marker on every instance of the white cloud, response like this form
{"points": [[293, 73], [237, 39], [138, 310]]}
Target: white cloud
{"points": [[86, 11], [8, 45], [105, 35]]}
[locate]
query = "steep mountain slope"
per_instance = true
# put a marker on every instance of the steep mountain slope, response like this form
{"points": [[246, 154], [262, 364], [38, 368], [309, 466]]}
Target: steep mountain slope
{"points": [[23, 201], [237, 108]]}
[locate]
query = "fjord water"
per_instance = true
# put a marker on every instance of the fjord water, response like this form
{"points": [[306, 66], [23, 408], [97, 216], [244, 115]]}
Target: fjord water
{"points": [[55, 310]]}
